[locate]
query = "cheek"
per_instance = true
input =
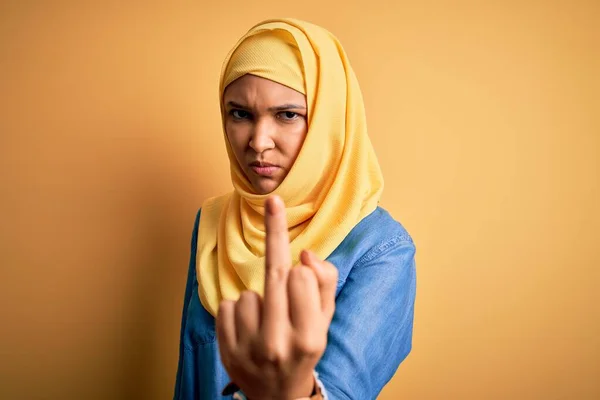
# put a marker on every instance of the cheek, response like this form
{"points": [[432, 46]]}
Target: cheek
{"points": [[295, 139], [237, 138]]}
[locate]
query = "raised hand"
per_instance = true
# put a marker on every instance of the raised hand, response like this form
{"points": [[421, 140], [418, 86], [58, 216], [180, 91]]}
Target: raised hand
{"points": [[270, 345]]}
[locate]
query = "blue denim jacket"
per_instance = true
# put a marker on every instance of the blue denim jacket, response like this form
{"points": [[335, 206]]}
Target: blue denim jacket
{"points": [[371, 331]]}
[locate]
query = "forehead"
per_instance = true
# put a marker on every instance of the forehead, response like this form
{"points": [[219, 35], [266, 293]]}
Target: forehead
{"points": [[255, 91]]}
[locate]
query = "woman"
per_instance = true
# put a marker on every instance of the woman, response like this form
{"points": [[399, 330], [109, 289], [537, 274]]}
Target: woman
{"points": [[306, 190]]}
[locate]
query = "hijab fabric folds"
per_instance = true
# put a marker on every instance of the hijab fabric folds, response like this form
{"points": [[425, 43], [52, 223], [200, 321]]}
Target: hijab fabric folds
{"points": [[334, 183]]}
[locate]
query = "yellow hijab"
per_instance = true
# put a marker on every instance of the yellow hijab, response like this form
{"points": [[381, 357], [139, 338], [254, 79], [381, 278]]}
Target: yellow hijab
{"points": [[334, 183]]}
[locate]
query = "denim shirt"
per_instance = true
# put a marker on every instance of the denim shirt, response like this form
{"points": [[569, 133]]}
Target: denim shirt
{"points": [[369, 336]]}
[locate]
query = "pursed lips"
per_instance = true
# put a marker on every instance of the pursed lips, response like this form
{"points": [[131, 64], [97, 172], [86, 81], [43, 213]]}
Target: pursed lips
{"points": [[263, 168]]}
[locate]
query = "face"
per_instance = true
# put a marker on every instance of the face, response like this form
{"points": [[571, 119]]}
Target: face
{"points": [[266, 124]]}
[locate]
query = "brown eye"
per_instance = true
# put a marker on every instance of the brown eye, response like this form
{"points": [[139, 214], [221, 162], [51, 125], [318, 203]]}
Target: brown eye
{"points": [[239, 114], [288, 115]]}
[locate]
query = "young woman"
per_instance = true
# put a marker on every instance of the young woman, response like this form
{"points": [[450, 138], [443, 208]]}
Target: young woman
{"points": [[299, 285]]}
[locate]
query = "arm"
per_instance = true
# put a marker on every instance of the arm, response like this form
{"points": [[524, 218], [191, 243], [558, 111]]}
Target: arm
{"points": [[186, 301], [371, 331]]}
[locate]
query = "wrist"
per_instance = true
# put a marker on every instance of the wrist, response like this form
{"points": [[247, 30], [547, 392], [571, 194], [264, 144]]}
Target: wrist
{"points": [[311, 389], [301, 390]]}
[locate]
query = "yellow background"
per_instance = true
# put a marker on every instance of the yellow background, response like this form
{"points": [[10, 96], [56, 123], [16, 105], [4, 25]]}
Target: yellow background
{"points": [[486, 120]]}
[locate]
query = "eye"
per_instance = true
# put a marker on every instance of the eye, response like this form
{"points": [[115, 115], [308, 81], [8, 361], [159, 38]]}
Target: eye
{"points": [[239, 114], [288, 115]]}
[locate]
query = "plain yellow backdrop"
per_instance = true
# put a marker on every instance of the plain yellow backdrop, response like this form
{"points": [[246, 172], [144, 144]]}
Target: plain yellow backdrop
{"points": [[486, 120]]}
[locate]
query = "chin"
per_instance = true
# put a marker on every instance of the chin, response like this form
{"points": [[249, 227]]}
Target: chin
{"points": [[265, 186]]}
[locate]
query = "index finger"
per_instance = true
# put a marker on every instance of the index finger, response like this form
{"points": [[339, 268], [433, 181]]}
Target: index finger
{"points": [[278, 261]]}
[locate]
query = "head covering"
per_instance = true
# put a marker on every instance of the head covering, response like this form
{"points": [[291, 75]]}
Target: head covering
{"points": [[334, 183], [270, 54]]}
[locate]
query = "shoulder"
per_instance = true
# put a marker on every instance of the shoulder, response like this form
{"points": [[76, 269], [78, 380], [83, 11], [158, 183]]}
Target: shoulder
{"points": [[376, 232], [380, 225], [381, 233], [376, 237]]}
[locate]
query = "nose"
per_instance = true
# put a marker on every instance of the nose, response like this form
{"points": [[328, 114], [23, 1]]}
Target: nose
{"points": [[262, 136]]}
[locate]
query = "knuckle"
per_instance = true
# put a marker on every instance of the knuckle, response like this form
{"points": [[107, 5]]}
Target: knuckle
{"points": [[276, 273], [331, 271], [273, 353], [335, 274], [310, 346], [303, 273], [225, 306], [294, 274], [247, 296], [306, 273]]}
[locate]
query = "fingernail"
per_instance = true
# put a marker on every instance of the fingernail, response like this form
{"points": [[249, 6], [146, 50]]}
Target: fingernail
{"points": [[304, 257], [312, 258], [272, 205]]}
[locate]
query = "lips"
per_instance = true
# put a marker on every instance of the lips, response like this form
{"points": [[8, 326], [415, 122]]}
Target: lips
{"points": [[262, 168], [261, 164]]}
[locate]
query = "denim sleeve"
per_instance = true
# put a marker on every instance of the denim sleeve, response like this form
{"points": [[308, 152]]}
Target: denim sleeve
{"points": [[191, 277], [371, 331]]}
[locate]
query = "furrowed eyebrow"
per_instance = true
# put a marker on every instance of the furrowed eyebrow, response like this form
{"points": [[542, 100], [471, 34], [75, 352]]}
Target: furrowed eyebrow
{"points": [[233, 104], [283, 107]]}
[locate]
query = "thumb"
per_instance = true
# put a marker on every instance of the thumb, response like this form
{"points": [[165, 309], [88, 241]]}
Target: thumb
{"points": [[327, 277]]}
